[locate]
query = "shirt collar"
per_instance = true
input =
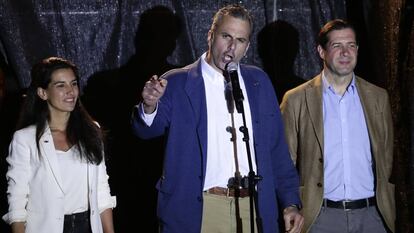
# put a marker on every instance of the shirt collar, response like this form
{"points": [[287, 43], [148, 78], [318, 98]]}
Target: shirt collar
{"points": [[328, 87], [209, 72]]}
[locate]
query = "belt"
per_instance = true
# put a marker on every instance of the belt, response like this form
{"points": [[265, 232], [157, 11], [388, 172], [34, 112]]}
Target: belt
{"points": [[77, 216], [229, 192], [350, 205], [78, 222]]}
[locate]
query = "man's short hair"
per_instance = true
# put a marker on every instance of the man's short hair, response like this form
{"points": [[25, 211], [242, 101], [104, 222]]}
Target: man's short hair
{"points": [[336, 24], [234, 10]]}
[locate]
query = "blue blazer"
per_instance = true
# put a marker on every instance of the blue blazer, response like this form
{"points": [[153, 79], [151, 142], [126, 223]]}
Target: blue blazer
{"points": [[182, 117]]}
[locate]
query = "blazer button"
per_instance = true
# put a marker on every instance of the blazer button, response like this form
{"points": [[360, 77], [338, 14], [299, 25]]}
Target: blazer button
{"points": [[319, 185], [320, 160]]}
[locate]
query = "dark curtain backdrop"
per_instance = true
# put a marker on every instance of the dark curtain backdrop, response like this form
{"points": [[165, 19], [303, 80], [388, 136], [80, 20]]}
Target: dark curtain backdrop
{"points": [[118, 45], [391, 36], [101, 35]]}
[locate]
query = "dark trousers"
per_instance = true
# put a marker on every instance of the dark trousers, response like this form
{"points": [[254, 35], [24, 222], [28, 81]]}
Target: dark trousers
{"points": [[364, 220], [77, 223]]}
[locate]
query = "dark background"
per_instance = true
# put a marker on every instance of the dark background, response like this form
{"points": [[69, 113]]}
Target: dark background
{"points": [[119, 44]]}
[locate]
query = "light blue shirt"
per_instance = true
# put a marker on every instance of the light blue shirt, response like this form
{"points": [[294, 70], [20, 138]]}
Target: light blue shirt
{"points": [[348, 171]]}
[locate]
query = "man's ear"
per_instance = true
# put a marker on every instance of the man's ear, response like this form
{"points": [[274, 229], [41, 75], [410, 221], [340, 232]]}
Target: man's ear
{"points": [[321, 52], [247, 48], [42, 93], [210, 38]]}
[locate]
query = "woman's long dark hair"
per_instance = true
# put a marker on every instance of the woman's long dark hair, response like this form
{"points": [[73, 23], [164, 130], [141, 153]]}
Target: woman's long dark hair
{"points": [[81, 130]]}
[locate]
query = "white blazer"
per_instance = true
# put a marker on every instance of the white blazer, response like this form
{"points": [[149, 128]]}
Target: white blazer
{"points": [[34, 192]]}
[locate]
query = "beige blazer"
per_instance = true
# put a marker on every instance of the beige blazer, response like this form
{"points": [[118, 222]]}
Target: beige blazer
{"points": [[34, 192], [302, 113]]}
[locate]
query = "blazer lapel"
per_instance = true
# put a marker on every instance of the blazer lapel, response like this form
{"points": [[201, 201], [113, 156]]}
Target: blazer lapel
{"points": [[195, 90], [314, 105], [251, 84], [370, 108], [49, 154]]}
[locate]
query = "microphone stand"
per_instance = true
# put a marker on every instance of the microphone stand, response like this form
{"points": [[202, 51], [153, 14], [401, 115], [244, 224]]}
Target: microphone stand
{"points": [[253, 179]]}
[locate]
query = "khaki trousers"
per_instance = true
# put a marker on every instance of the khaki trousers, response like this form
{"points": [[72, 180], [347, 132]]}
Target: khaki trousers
{"points": [[220, 212]]}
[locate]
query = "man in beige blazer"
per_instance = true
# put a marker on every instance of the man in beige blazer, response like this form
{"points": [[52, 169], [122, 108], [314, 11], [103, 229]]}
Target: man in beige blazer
{"points": [[340, 136]]}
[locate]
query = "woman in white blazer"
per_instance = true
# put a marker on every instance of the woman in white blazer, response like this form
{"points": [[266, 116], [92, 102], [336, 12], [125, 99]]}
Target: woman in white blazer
{"points": [[57, 180]]}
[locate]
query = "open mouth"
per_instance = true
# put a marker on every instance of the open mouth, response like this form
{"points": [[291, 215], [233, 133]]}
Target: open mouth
{"points": [[227, 58]]}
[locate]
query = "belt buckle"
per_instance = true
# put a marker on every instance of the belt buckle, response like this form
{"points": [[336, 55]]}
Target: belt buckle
{"points": [[344, 205]]}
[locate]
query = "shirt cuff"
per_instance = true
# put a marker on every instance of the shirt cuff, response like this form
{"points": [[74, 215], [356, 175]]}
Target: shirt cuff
{"points": [[147, 118], [15, 216], [110, 204]]}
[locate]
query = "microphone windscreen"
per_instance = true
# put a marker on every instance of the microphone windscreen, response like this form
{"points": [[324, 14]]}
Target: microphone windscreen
{"points": [[231, 66]]}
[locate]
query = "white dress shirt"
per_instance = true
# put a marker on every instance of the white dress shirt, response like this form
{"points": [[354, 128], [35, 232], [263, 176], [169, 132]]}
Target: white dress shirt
{"points": [[220, 151]]}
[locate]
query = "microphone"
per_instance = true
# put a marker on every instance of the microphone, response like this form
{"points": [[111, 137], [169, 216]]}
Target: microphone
{"points": [[231, 69]]}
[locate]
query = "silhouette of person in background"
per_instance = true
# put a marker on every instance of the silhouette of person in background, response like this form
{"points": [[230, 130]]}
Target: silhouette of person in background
{"points": [[155, 41], [278, 45], [110, 96]]}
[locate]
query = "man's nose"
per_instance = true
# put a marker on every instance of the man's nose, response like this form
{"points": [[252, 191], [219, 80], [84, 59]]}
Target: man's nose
{"points": [[344, 50], [232, 45]]}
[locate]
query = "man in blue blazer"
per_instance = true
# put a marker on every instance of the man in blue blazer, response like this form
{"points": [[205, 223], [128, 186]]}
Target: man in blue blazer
{"points": [[201, 152]]}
